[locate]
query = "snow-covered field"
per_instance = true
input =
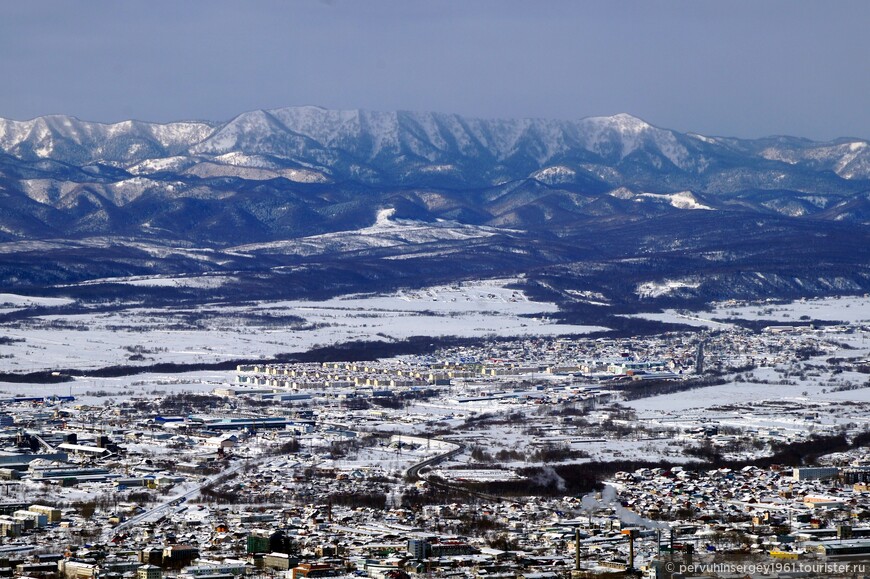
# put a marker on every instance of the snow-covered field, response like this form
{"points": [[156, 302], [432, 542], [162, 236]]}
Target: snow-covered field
{"points": [[96, 391], [702, 398], [698, 320], [14, 302], [216, 332], [850, 309]]}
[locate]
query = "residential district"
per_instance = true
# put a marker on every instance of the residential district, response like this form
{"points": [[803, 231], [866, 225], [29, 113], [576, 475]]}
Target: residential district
{"points": [[518, 458]]}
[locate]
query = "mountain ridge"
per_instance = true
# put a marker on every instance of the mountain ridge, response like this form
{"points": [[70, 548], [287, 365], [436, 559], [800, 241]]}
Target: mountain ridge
{"points": [[293, 172], [620, 134]]}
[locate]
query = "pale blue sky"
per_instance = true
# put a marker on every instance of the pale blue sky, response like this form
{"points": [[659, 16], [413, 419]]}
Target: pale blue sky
{"points": [[743, 68]]}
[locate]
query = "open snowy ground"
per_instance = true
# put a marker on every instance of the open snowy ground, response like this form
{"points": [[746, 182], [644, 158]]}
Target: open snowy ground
{"points": [[216, 332], [849, 309], [97, 391], [14, 302], [767, 384]]}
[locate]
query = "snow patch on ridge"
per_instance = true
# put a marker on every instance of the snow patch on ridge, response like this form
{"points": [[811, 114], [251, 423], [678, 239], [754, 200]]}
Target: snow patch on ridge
{"points": [[176, 163], [681, 200], [383, 233], [554, 175], [654, 289], [383, 217], [622, 193]]}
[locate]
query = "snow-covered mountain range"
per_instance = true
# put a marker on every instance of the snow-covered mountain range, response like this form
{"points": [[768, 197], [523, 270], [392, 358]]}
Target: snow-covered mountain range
{"points": [[305, 170], [463, 196], [404, 146]]}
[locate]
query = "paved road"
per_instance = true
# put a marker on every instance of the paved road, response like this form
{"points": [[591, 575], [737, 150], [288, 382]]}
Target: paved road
{"points": [[413, 473]]}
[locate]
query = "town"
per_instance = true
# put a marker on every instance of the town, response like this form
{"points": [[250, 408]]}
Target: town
{"points": [[525, 457]]}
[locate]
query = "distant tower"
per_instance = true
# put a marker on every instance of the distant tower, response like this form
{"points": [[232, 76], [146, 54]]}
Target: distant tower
{"points": [[699, 358], [577, 549]]}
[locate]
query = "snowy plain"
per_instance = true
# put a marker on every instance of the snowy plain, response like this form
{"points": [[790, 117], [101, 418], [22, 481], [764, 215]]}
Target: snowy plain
{"points": [[218, 332], [847, 309]]}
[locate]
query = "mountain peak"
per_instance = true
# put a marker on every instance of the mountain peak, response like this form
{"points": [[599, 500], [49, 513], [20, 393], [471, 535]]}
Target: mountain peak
{"points": [[621, 122]]}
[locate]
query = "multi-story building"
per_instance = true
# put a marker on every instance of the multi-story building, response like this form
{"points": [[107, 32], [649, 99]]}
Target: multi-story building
{"points": [[149, 572]]}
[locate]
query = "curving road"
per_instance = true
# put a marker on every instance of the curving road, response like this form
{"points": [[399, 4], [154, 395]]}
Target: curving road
{"points": [[413, 472]]}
